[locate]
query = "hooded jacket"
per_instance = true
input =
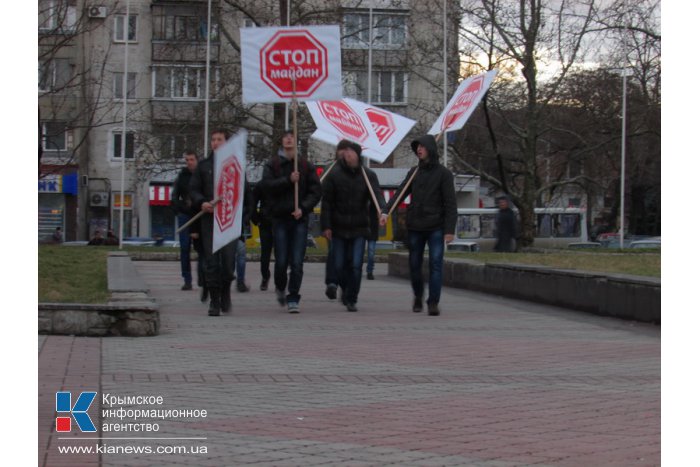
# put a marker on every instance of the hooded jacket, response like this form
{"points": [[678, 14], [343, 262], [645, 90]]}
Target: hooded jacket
{"points": [[278, 189], [433, 200], [345, 208]]}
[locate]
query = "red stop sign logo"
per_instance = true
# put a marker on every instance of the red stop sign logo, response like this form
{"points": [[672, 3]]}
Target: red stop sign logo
{"points": [[227, 191], [344, 119], [463, 103], [293, 54], [382, 124]]}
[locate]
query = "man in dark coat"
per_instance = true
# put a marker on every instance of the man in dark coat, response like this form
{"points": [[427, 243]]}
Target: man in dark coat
{"points": [[506, 227], [430, 218], [182, 204], [289, 225], [218, 267], [345, 217]]}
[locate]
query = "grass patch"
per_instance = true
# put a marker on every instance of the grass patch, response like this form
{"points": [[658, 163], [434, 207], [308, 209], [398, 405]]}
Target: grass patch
{"points": [[73, 274], [639, 264]]}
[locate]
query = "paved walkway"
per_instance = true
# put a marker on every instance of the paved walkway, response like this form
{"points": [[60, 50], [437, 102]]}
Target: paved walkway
{"points": [[491, 382]]}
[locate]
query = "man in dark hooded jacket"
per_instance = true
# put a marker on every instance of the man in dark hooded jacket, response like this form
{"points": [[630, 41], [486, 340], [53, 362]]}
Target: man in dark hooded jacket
{"points": [[345, 217], [431, 219]]}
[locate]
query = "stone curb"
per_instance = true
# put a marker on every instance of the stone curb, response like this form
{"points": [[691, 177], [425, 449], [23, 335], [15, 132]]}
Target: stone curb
{"points": [[619, 295]]}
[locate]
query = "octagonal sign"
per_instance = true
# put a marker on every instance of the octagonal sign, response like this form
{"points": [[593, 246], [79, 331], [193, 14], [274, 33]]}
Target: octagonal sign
{"points": [[293, 55], [228, 191], [344, 119], [382, 123], [463, 103]]}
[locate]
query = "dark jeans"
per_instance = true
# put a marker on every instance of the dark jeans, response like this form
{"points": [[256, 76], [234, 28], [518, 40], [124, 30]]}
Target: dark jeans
{"points": [[290, 248], [436, 249], [347, 258], [240, 260], [185, 242], [218, 267], [266, 242], [371, 247], [331, 276]]}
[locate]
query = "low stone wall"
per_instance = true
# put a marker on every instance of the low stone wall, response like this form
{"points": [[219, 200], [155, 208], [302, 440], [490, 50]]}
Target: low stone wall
{"points": [[129, 312], [99, 320], [618, 295]]}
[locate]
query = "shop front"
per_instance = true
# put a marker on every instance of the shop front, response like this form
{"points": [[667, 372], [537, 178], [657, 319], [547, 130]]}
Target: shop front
{"points": [[58, 201]]}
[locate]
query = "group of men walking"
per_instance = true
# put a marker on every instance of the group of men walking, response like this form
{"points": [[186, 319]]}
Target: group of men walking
{"points": [[352, 208]]}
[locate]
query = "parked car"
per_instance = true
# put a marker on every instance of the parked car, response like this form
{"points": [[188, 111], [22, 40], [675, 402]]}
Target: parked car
{"points": [[647, 243], [585, 245]]}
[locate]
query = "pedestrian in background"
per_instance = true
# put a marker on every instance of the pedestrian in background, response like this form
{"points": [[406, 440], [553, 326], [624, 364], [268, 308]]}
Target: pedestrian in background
{"points": [[506, 227], [182, 204]]}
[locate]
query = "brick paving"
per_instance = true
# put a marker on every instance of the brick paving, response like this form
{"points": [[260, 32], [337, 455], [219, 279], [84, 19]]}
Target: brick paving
{"points": [[491, 382]]}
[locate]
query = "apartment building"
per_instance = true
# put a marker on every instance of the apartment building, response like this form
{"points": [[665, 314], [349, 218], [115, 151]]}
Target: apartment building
{"points": [[391, 55]]}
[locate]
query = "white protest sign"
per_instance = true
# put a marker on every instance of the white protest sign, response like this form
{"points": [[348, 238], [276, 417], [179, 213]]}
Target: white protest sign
{"points": [[376, 130], [229, 187], [463, 102], [271, 58]]}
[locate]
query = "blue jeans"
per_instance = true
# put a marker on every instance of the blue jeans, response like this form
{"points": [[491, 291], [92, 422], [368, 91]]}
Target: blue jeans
{"points": [[240, 261], [371, 247], [185, 242], [436, 249], [290, 248], [347, 258]]}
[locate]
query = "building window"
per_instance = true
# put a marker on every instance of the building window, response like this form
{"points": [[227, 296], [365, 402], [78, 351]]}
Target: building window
{"points": [[119, 85], [54, 74], [389, 30], [173, 146], [57, 16], [183, 26], [119, 28], [388, 87], [183, 82], [117, 144], [53, 136]]}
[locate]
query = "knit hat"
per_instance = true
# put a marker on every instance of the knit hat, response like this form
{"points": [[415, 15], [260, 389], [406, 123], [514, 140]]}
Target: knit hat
{"points": [[347, 144]]}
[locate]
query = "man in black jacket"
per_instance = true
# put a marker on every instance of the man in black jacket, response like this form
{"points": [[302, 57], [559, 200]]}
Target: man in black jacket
{"points": [[345, 217], [218, 267], [506, 227], [182, 204], [289, 225], [431, 219]]}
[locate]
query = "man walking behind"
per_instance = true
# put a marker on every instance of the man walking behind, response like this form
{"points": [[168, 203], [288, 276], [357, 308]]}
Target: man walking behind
{"points": [[182, 204], [430, 218], [345, 222], [290, 226]]}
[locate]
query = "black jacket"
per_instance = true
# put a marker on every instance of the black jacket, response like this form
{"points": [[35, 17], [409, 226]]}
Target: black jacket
{"points": [[181, 202], [278, 189], [345, 208], [506, 230], [202, 190], [433, 200]]}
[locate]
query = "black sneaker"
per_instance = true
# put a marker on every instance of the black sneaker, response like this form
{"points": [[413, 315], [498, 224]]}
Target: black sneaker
{"points": [[241, 287], [370, 276], [203, 295], [281, 297], [433, 309], [263, 284], [417, 304], [351, 306], [187, 286], [332, 291]]}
